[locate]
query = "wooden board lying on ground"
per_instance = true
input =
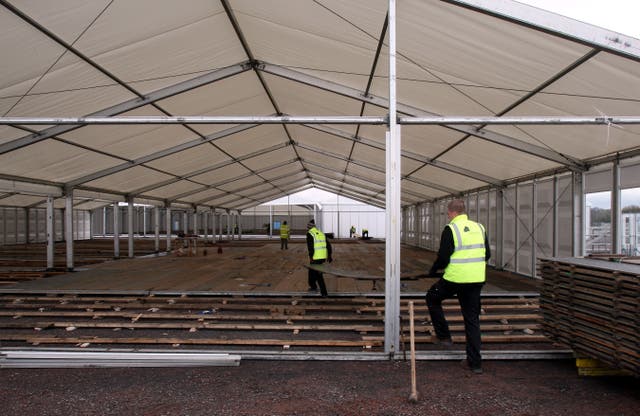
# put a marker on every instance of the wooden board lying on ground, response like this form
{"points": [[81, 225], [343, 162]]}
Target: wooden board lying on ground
{"points": [[358, 275]]}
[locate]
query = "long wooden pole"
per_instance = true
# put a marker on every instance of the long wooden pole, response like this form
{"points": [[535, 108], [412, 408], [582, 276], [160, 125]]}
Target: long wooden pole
{"points": [[414, 391]]}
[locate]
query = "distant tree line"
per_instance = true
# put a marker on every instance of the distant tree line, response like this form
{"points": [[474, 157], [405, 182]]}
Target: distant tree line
{"points": [[603, 216], [600, 216]]}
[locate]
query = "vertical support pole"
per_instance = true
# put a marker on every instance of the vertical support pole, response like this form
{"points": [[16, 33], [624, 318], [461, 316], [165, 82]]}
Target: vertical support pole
{"points": [[168, 221], [27, 228], [91, 229], [338, 216], [130, 226], [195, 221], [50, 232], [616, 209], [205, 225], [156, 227], [229, 229], [239, 222], [185, 222], [104, 221], [500, 229], [68, 229], [555, 216], [392, 241], [213, 226], [220, 226], [144, 221], [116, 230], [534, 229], [578, 214]]}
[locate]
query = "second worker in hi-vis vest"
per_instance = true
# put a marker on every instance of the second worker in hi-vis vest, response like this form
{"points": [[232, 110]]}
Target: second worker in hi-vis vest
{"points": [[463, 254], [319, 252]]}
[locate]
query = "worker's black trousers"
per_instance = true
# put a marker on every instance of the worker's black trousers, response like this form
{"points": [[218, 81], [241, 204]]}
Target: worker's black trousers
{"points": [[317, 279], [469, 299]]}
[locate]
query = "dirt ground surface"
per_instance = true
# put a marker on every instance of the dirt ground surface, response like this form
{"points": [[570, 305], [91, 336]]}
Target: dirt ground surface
{"points": [[376, 388]]}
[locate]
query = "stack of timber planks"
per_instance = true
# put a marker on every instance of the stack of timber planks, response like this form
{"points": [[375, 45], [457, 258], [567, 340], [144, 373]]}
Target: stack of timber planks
{"points": [[593, 306]]}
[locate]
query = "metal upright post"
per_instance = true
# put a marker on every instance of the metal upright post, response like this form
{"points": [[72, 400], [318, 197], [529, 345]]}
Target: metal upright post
{"points": [[68, 227], [130, 226], [116, 230], [578, 214], [168, 221], [616, 207], [50, 233], [156, 227], [205, 225], [392, 220], [195, 221]]}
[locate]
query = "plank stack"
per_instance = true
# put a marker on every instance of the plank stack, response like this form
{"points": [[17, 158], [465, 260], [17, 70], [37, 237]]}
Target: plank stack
{"points": [[593, 307]]}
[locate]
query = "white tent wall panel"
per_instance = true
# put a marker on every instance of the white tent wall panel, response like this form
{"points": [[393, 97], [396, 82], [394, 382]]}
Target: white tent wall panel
{"points": [[630, 174], [544, 218], [318, 139], [510, 228], [292, 169], [8, 133], [130, 179], [305, 34], [258, 138], [495, 160], [237, 95], [51, 160], [16, 224], [297, 99], [17, 200], [427, 140], [430, 45], [535, 220], [599, 179], [524, 221], [131, 54], [338, 164], [613, 78], [267, 159], [410, 230], [493, 231], [176, 188], [131, 142], [70, 103], [222, 174], [565, 226], [190, 160]]}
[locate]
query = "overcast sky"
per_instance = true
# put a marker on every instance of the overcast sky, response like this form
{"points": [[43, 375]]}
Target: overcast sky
{"points": [[618, 15]]}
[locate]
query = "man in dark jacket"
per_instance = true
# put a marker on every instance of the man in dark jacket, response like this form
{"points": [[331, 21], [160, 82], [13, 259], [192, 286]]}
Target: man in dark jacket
{"points": [[319, 252], [464, 251]]}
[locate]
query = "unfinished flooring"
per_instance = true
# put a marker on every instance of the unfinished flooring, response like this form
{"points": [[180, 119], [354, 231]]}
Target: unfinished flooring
{"points": [[241, 266], [250, 295]]}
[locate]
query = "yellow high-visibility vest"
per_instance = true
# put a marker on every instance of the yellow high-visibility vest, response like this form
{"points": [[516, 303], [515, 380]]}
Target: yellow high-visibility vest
{"points": [[319, 244], [284, 231], [467, 263]]}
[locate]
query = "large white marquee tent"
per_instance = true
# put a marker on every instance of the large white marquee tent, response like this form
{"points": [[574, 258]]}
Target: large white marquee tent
{"points": [[223, 105]]}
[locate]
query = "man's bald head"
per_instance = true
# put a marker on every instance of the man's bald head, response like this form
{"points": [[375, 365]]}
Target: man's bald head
{"points": [[455, 208]]}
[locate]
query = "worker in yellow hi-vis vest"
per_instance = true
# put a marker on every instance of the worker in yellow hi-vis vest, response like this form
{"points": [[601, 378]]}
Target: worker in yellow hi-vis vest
{"points": [[284, 236], [463, 254], [319, 252]]}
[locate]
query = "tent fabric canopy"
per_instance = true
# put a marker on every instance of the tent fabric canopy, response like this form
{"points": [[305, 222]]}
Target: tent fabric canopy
{"points": [[74, 58]]}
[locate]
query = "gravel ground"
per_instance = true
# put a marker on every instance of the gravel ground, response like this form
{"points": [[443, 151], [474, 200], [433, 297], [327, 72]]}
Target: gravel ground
{"points": [[319, 388]]}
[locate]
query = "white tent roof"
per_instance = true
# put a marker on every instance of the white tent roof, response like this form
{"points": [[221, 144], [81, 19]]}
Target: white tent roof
{"points": [[73, 58]]}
